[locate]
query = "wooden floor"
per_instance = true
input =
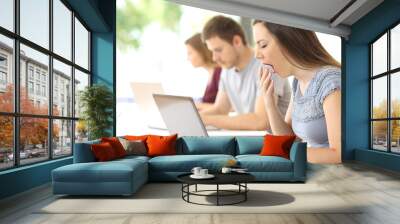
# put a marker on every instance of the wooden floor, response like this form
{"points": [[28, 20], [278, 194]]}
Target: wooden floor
{"points": [[377, 188]]}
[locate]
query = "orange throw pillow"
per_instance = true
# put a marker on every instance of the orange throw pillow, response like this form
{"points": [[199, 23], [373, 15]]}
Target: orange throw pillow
{"points": [[136, 138], [275, 145], [161, 145], [103, 151], [116, 145]]}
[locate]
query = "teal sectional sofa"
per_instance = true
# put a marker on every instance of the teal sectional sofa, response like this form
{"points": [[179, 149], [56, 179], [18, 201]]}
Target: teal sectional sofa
{"points": [[125, 176]]}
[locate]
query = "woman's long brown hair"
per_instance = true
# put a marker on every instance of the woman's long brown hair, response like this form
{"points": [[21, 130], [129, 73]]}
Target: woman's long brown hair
{"points": [[197, 43], [300, 47]]}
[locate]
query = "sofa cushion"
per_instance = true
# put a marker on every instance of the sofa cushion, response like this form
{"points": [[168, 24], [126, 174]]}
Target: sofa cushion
{"points": [[111, 171], [134, 147], [103, 152], [116, 145], [195, 145], [185, 163], [257, 163], [83, 152], [277, 145], [161, 145], [249, 144], [136, 137]]}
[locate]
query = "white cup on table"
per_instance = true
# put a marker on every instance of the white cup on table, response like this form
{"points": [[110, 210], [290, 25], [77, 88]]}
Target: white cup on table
{"points": [[203, 172], [196, 170]]}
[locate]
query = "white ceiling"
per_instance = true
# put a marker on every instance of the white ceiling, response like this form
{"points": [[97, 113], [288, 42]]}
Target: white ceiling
{"points": [[321, 9], [316, 15]]}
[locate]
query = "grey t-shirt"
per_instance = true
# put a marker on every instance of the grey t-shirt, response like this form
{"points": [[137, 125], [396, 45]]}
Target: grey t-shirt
{"points": [[308, 117], [242, 88]]}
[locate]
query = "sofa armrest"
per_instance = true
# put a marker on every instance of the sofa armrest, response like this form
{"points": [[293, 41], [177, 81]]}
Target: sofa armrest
{"points": [[83, 152], [298, 155]]}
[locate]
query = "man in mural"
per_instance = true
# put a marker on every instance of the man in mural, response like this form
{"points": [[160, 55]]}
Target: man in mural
{"points": [[239, 85]]}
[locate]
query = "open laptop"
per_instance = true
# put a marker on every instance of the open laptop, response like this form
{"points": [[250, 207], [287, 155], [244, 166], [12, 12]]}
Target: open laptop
{"points": [[181, 115], [143, 93]]}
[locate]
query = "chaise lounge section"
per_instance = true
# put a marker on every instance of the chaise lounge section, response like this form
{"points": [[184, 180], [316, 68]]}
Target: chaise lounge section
{"points": [[125, 176], [88, 177]]}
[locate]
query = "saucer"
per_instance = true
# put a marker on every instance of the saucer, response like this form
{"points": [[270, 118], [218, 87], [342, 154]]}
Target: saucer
{"points": [[240, 171], [208, 176]]}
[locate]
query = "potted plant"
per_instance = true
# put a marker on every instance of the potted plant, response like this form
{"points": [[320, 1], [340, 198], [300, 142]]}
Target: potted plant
{"points": [[96, 102]]}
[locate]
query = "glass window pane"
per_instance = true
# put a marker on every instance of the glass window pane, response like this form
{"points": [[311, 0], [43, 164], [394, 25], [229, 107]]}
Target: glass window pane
{"points": [[81, 45], [379, 98], [34, 97], [62, 89], [62, 138], [81, 81], [379, 55], [395, 47], [35, 21], [395, 138], [6, 142], [33, 139], [379, 135], [62, 29], [6, 74], [81, 131], [395, 94], [7, 14]]}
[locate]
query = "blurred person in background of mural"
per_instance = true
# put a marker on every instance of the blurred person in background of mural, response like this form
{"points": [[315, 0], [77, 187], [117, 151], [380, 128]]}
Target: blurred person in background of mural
{"points": [[200, 56]]}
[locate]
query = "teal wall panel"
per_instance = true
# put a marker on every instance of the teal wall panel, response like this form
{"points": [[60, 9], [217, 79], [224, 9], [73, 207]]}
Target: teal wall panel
{"points": [[90, 12], [356, 84], [103, 64], [104, 54], [102, 59], [24, 178], [379, 159]]}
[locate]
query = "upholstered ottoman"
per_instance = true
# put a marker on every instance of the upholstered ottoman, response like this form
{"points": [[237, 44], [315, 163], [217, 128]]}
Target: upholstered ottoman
{"points": [[119, 177]]}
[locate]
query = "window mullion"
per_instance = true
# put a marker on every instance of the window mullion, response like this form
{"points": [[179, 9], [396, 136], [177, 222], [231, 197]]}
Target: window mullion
{"points": [[371, 89], [73, 82], [389, 113], [50, 81], [16, 84]]}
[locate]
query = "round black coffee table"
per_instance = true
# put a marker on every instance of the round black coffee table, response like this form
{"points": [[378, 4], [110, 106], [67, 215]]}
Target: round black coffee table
{"points": [[238, 179]]}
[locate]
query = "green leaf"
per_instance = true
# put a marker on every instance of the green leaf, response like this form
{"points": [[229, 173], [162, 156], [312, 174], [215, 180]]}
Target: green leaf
{"points": [[96, 102], [134, 16]]}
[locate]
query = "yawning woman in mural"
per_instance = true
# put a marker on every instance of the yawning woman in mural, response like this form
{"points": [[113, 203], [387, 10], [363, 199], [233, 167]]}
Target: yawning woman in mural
{"points": [[314, 113]]}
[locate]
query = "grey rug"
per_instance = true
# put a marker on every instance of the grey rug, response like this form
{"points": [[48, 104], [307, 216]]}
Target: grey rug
{"points": [[166, 198]]}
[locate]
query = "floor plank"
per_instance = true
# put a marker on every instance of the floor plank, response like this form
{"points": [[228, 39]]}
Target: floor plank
{"points": [[376, 190]]}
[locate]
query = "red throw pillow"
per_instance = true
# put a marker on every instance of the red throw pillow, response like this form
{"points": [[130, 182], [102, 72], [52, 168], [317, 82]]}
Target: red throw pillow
{"points": [[116, 145], [161, 145], [275, 145], [103, 151]]}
